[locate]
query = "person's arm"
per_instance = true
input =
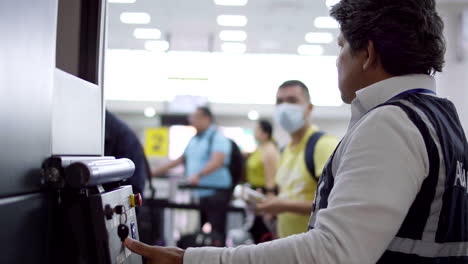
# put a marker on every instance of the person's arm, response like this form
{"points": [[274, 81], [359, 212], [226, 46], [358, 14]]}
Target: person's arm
{"points": [[270, 159], [166, 167], [377, 180], [216, 161], [276, 206]]}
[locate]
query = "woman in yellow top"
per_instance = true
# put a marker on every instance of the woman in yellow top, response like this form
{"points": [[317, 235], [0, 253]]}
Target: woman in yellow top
{"points": [[261, 171], [262, 164]]}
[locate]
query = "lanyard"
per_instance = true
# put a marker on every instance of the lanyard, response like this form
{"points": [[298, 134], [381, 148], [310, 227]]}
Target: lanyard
{"points": [[420, 90]]}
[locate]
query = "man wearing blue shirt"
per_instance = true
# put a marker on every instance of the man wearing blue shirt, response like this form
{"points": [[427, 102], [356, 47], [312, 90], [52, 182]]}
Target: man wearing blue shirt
{"points": [[206, 160]]}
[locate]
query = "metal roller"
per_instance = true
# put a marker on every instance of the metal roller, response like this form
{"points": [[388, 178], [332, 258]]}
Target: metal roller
{"points": [[90, 173]]}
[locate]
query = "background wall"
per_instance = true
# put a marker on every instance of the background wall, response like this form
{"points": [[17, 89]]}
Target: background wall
{"points": [[337, 127], [453, 82]]}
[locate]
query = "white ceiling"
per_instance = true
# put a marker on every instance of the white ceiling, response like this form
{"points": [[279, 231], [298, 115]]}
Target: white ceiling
{"points": [[274, 26]]}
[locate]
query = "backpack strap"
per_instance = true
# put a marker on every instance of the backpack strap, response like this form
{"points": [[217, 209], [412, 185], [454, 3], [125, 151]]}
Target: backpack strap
{"points": [[309, 152], [210, 143]]}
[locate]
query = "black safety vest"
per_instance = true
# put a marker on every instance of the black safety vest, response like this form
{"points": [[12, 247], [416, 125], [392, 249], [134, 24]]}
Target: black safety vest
{"points": [[442, 202]]}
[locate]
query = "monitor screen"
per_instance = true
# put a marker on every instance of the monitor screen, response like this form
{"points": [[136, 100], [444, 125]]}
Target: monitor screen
{"points": [[80, 38]]}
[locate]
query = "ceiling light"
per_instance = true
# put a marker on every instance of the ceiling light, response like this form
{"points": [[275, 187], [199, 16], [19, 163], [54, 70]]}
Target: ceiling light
{"points": [[233, 47], [233, 35], [147, 33], [325, 22], [121, 1], [150, 112], [231, 2], [331, 3], [135, 18], [157, 45], [232, 20], [319, 37], [253, 115], [310, 50]]}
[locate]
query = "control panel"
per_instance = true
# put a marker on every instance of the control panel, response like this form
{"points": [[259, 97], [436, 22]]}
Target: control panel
{"points": [[114, 218], [93, 213]]}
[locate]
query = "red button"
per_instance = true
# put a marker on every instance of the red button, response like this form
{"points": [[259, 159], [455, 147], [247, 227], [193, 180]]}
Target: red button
{"points": [[138, 200]]}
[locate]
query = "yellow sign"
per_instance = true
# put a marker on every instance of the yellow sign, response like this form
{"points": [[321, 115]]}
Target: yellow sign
{"points": [[157, 142]]}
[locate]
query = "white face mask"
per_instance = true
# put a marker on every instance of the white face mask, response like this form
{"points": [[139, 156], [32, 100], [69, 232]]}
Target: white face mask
{"points": [[290, 116]]}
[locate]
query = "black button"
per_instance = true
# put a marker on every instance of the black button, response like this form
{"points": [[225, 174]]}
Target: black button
{"points": [[122, 231], [119, 209], [108, 212]]}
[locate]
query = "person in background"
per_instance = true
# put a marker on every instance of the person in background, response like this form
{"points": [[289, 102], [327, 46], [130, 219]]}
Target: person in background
{"points": [[395, 189], [295, 180], [261, 171], [206, 158], [263, 162], [121, 142]]}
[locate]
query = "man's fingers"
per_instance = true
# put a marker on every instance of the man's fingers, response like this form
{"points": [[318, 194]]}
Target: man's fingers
{"points": [[138, 247]]}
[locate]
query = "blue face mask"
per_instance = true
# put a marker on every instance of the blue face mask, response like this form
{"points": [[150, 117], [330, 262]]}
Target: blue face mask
{"points": [[290, 117]]}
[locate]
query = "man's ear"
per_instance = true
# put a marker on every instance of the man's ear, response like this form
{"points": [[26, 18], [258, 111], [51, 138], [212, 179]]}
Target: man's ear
{"points": [[310, 107], [371, 56]]}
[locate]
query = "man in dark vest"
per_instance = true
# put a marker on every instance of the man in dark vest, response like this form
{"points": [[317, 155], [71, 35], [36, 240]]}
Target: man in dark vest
{"points": [[395, 189]]}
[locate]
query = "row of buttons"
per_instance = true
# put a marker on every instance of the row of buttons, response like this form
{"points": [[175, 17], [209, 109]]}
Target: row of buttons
{"points": [[134, 200]]}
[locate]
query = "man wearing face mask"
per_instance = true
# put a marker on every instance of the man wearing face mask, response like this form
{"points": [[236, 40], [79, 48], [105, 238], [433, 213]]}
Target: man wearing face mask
{"points": [[298, 173]]}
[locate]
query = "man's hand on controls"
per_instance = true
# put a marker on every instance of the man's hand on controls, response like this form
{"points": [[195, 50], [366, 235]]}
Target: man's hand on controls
{"points": [[154, 254], [194, 179]]}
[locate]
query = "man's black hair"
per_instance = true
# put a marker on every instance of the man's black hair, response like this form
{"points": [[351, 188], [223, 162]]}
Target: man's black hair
{"points": [[407, 34], [206, 112], [296, 83]]}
